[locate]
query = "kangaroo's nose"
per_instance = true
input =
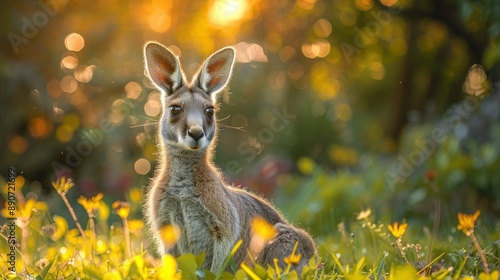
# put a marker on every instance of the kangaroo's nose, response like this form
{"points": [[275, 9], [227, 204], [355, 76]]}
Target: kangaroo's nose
{"points": [[196, 132]]}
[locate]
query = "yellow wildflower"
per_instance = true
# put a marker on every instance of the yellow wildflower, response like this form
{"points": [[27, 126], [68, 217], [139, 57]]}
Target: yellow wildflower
{"points": [[61, 227], [135, 195], [262, 233], [103, 212], [263, 229], [466, 222], [135, 225], [293, 259], [398, 230], [364, 214], [492, 276], [168, 269], [63, 185], [92, 204], [24, 209], [170, 234], [122, 208]]}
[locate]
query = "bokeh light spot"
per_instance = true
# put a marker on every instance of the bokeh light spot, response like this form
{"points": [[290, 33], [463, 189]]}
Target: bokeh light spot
{"points": [[153, 105], [69, 84], [364, 5], [343, 155], [70, 61], [388, 3], [348, 17], [249, 52], [320, 48], [72, 121], [343, 112], [84, 73], [74, 42], [377, 70], [159, 21], [306, 165], [39, 127], [224, 12], [306, 4], [152, 108], [18, 144], [175, 49], [328, 90], [64, 133], [133, 90], [322, 28], [142, 166]]}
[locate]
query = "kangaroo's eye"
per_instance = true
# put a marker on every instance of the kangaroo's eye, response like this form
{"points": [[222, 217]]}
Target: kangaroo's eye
{"points": [[210, 112], [175, 110]]}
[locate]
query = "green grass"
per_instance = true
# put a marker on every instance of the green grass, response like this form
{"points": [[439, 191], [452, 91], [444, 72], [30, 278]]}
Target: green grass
{"points": [[358, 246]]}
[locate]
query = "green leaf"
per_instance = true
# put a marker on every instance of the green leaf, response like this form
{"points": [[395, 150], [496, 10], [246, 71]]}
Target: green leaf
{"points": [[360, 264], [380, 269], [260, 271], [200, 259], [187, 264], [441, 274], [227, 276], [240, 275], [337, 262], [208, 275], [93, 274], [292, 275]]}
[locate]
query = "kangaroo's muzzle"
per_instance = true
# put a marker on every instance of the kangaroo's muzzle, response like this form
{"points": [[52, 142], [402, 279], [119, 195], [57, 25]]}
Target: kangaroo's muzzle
{"points": [[195, 137]]}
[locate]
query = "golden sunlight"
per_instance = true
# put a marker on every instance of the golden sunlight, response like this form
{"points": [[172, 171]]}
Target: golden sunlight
{"points": [[159, 21], [224, 12]]}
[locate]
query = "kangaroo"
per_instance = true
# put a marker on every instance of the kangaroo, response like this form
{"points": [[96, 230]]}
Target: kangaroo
{"points": [[188, 191]]}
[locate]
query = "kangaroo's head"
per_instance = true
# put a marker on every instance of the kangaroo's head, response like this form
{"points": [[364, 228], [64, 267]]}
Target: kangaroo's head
{"points": [[188, 119]]}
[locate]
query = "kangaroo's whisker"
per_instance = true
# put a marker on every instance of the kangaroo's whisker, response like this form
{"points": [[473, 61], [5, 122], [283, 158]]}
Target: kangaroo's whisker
{"points": [[148, 118], [143, 125], [223, 119], [232, 127]]}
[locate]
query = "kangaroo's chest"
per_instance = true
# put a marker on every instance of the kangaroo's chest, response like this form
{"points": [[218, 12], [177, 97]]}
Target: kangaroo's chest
{"points": [[184, 209]]}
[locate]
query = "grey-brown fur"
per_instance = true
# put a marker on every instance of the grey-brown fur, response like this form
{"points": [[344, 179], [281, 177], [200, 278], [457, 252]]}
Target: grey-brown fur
{"points": [[188, 190]]}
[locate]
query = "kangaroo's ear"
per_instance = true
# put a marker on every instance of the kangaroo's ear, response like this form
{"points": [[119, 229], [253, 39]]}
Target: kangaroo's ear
{"points": [[216, 71], [163, 67]]}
